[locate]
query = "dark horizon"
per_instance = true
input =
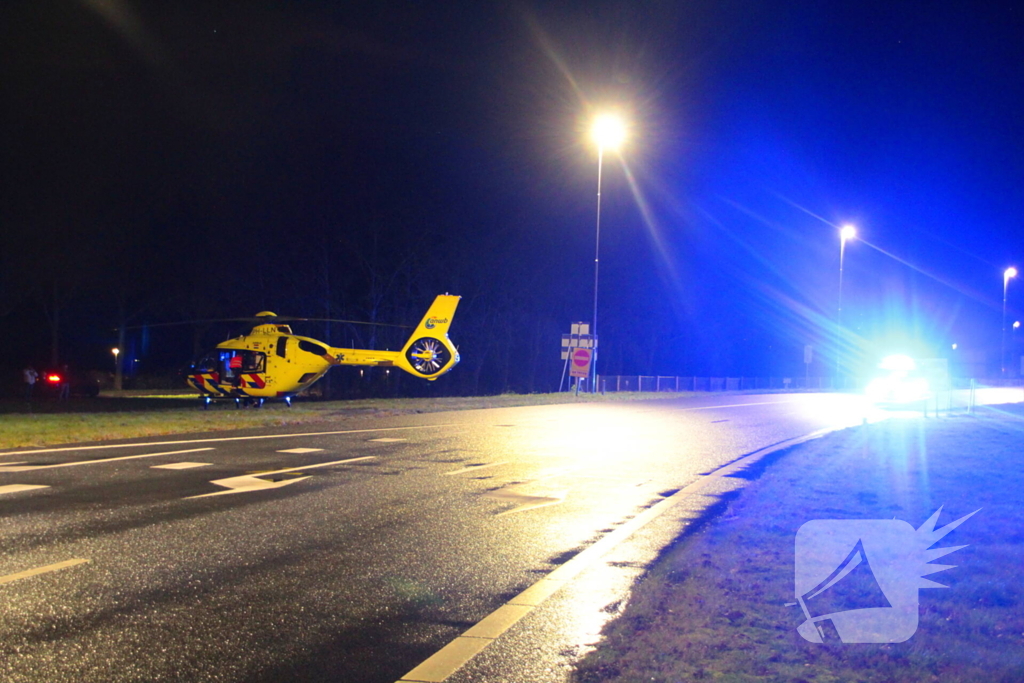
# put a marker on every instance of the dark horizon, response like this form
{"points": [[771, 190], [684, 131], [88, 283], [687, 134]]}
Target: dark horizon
{"points": [[198, 160]]}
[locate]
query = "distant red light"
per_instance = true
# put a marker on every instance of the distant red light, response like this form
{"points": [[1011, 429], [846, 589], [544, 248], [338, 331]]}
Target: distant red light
{"points": [[53, 379]]}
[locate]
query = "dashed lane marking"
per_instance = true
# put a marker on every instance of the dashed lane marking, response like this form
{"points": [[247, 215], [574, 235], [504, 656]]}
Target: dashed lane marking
{"points": [[16, 488], [388, 440], [29, 468], [301, 450], [42, 570], [180, 466], [475, 468], [225, 439]]}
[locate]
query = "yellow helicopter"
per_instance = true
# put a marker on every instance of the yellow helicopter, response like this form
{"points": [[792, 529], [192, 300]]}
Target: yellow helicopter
{"points": [[272, 362]]}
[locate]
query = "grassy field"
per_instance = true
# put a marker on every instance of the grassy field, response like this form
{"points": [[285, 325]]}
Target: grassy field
{"points": [[714, 606], [139, 414]]}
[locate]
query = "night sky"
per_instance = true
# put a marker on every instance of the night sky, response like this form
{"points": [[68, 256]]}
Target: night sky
{"points": [[165, 161]]}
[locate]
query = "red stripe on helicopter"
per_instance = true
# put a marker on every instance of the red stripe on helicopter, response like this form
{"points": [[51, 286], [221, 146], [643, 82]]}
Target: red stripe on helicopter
{"points": [[207, 383], [254, 381]]}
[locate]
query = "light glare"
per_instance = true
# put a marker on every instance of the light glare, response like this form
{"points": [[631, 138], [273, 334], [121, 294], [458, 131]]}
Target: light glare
{"points": [[608, 131], [1009, 272], [898, 362], [848, 232]]}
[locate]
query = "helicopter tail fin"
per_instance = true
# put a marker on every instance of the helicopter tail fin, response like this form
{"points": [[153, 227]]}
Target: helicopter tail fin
{"points": [[429, 353]]}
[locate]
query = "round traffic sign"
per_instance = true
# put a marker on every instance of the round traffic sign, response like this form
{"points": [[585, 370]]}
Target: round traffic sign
{"points": [[581, 357]]}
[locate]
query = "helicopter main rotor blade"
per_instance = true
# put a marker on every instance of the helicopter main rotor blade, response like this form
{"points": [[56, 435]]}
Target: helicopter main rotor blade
{"points": [[264, 320], [349, 322]]}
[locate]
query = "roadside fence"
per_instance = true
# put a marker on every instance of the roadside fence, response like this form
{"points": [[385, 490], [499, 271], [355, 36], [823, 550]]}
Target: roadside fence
{"points": [[656, 383], [659, 383]]}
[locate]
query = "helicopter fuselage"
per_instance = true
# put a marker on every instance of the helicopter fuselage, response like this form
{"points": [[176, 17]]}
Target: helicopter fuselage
{"points": [[272, 362]]}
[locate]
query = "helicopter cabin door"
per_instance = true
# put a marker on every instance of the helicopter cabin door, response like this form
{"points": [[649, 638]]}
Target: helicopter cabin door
{"points": [[254, 365], [243, 368]]}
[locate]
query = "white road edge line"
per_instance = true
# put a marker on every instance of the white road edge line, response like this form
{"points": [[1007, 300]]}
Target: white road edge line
{"points": [[221, 439], [29, 468], [284, 436], [42, 570], [734, 405], [453, 656]]}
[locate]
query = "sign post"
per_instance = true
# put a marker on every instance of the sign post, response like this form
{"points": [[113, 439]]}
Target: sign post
{"points": [[580, 365], [578, 338]]}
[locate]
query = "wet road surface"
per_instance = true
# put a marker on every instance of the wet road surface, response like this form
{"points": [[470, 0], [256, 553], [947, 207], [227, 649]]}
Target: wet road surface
{"points": [[355, 555]]}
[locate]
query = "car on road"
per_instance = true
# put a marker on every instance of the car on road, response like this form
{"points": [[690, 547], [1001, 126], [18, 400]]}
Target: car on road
{"points": [[79, 384], [901, 382]]}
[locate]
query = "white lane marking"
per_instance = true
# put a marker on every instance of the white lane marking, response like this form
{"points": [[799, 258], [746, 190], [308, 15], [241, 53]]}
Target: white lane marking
{"points": [[41, 570], [180, 466], [225, 438], [252, 482], [247, 482], [474, 468], [520, 493], [29, 468], [453, 656], [16, 488], [301, 450], [388, 440]]}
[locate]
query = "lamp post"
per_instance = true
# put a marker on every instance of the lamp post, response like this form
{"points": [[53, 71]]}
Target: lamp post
{"points": [[609, 132], [1014, 354], [847, 232], [1007, 274], [117, 368]]}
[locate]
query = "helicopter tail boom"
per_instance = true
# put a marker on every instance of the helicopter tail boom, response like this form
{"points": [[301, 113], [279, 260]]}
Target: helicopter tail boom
{"points": [[427, 354]]}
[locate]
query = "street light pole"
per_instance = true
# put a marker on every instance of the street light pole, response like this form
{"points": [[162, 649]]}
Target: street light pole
{"points": [[848, 232], [597, 263], [608, 132], [1007, 274], [1013, 348], [117, 367]]}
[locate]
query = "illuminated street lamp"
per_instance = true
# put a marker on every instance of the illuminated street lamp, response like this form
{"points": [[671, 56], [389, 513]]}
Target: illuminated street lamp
{"points": [[609, 132], [847, 232], [1007, 274]]}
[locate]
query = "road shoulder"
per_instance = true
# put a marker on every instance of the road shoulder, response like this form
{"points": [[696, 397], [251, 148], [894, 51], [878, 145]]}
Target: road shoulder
{"points": [[719, 603]]}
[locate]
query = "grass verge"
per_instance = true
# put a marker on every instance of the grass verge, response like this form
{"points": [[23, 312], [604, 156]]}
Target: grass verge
{"points": [[126, 417], [714, 606]]}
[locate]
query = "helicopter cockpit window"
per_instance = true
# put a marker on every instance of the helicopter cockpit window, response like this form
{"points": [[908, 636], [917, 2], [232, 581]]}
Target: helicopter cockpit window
{"points": [[208, 363], [282, 346], [310, 347]]}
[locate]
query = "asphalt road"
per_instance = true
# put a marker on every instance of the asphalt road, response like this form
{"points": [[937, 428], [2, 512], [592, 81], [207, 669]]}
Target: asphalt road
{"points": [[362, 552]]}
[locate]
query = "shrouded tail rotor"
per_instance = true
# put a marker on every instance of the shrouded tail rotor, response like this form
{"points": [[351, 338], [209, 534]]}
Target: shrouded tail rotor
{"points": [[429, 353]]}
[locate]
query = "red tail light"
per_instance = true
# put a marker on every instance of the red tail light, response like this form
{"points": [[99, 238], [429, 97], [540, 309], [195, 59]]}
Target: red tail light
{"points": [[53, 379]]}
